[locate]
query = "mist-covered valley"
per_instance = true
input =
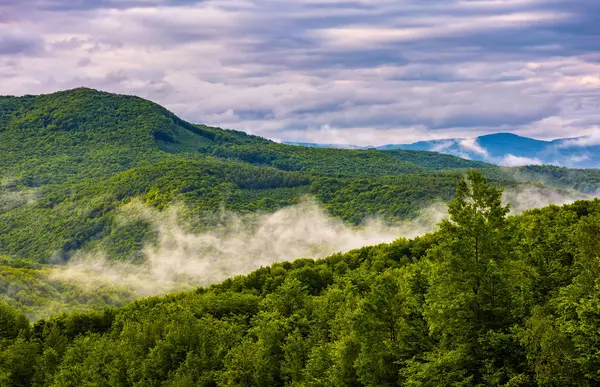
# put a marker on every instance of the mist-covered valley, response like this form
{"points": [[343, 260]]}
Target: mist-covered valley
{"points": [[178, 258]]}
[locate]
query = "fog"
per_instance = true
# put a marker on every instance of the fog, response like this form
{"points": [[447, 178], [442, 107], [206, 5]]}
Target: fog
{"points": [[12, 197], [181, 259], [534, 196]]}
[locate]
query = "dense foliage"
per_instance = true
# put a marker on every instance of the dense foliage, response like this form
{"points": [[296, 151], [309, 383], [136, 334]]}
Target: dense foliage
{"points": [[436, 160], [486, 300], [70, 160], [33, 290]]}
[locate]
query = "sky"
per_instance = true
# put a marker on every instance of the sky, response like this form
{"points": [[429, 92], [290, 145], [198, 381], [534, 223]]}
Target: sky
{"points": [[364, 72]]}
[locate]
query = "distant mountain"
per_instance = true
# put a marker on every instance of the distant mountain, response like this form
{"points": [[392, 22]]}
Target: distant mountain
{"points": [[505, 149]]}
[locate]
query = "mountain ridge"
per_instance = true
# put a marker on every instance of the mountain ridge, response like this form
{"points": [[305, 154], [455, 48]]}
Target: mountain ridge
{"points": [[69, 162], [505, 149], [82, 154]]}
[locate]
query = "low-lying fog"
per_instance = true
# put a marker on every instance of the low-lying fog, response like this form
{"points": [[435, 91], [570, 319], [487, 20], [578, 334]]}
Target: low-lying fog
{"points": [[181, 259]]}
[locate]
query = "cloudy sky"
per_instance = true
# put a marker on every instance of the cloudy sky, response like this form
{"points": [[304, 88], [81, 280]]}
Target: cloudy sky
{"points": [[354, 71]]}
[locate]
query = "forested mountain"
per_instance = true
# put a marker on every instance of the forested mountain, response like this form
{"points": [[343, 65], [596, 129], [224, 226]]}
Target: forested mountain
{"points": [[488, 300], [485, 300], [69, 160]]}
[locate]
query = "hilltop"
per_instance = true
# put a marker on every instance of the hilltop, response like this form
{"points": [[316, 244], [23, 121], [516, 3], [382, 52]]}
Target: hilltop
{"points": [[62, 128]]}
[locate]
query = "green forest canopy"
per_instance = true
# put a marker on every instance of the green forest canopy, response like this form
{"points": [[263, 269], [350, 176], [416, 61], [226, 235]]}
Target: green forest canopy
{"points": [[70, 160], [488, 300]]}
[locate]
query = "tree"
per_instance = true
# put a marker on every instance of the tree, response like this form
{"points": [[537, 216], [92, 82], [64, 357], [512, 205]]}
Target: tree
{"points": [[477, 218], [12, 322], [469, 297], [390, 327]]}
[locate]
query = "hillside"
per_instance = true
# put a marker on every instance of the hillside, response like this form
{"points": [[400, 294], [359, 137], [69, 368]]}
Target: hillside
{"points": [[113, 132], [70, 160], [488, 300], [149, 199]]}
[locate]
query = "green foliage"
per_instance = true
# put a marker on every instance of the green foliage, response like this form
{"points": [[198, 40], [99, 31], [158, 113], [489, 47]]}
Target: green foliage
{"points": [[436, 160], [12, 322], [69, 161], [34, 292], [583, 180], [469, 305], [486, 300]]}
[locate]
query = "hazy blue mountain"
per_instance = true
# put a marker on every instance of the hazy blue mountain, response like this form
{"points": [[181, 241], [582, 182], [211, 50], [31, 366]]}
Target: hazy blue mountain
{"points": [[508, 149]]}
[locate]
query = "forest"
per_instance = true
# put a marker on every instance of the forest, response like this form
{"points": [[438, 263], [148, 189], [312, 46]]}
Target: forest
{"points": [[487, 300], [70, 160]]}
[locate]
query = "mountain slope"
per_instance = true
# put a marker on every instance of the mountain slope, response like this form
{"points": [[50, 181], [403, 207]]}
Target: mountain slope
{"points": [[113, 132], [500, 144], [519, 309], [415, 155], [70, 160]]}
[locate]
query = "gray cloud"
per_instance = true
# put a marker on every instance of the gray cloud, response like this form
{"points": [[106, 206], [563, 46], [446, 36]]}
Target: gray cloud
{"points": [[19, 43], [368, 72]]}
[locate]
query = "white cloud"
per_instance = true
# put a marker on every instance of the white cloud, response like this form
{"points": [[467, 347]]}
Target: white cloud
{"points": [[443, 146], [584, 141], [580, 158], [364, 36], [471, 145], [517, 161]]}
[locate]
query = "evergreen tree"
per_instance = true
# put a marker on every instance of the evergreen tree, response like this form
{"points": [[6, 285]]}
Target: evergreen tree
{"points": [[468, 303]]}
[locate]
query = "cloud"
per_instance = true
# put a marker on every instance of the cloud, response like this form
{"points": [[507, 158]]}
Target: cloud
{"points": [[443, 146], [377, 72], [16, 43], [471, 145], [581, 142], [526, 197], [469, 148], [517, 161], [580, 158], [352, 37]]}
